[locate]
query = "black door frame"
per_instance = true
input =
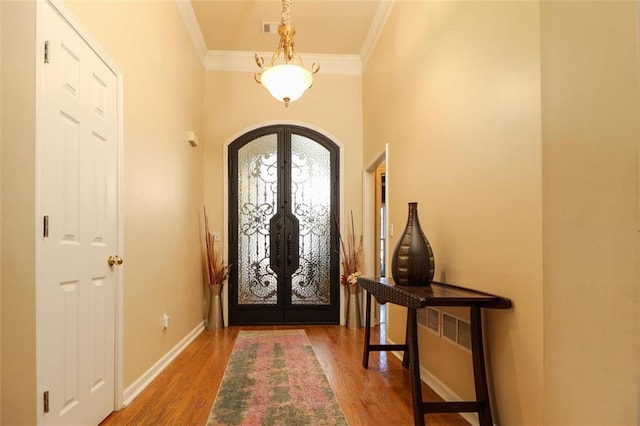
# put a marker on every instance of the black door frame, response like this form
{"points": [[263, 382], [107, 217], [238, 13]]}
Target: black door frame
{"points": [[283, 312]]}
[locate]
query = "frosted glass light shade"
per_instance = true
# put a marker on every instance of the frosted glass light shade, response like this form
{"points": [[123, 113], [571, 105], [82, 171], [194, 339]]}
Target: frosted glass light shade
{"points": [[286, 82]]}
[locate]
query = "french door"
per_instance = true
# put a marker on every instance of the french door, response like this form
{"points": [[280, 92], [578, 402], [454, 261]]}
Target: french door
{"points": [[283, 245]]}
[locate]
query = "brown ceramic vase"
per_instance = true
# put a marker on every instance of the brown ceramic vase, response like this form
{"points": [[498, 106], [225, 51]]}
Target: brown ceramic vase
{"points": [[413, 263]]}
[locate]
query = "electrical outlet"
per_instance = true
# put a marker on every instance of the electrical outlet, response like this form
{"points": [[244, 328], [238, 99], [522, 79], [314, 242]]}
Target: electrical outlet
{"points": [[216, 236]]}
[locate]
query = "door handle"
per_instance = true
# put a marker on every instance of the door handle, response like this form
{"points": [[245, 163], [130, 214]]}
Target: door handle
{"points": [[289, 249], [278, 250], [114, 260]]}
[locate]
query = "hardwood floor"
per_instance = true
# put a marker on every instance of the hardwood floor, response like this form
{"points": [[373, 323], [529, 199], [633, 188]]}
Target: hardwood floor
{"points": [[184, 392]]}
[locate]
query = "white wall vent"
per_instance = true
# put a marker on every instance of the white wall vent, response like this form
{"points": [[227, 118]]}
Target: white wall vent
{"points": [[446, 325], [421, 315], [430, 318], [449, 327], [433, 320], [270, 27], [457, 330], [464, 334]]}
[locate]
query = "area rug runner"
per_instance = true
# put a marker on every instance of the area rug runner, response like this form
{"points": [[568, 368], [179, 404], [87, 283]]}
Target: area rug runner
{"points": [[274, 378]]}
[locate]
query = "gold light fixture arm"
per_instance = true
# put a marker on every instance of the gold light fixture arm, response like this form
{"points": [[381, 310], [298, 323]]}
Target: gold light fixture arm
{"points": [[260, 63]]}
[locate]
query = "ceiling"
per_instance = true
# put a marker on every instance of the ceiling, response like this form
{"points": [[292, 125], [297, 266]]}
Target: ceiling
{"points": [[338, 27]]}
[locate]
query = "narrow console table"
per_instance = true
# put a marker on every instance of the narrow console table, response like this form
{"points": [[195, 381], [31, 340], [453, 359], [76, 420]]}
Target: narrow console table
{"points": [[436, 294]]}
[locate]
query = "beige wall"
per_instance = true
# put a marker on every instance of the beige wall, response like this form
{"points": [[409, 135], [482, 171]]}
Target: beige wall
{"points": [[590, 168], [0, 209], [514, 126], [235, 103], [163, 186], [163, 174], [462, 123], [18, 211]]}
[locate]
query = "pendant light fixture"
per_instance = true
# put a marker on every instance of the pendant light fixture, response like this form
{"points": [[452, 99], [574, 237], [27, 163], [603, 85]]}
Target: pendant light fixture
{"points": [[285, 78]]}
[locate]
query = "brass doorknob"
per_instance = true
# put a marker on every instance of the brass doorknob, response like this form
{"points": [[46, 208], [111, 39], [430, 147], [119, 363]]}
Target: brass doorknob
{"points": [[114, 260]]}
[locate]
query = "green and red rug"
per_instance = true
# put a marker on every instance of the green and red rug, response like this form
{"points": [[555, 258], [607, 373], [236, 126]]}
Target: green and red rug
{"points": [[274, 378]]}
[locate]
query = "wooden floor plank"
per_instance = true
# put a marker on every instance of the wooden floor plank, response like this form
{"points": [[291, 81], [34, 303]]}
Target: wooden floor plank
{"points": [[184, 392]]}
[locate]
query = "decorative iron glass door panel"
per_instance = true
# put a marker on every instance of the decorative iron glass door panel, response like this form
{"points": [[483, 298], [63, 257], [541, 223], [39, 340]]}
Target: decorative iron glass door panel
{"points": [[258, 189], [283, 186]]}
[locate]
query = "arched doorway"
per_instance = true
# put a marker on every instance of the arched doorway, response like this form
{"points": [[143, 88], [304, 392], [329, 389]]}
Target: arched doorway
{"points": [[283, 245]]}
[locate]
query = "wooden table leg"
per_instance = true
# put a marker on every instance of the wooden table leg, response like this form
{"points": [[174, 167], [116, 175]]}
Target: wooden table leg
{"points": [[479, 371], [367, 332], [405, 356], [414, 366]]}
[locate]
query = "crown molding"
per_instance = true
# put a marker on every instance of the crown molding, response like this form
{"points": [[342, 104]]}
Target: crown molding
{"points": [[193, 27], [218, 60], [377, 25], [222, 60]]}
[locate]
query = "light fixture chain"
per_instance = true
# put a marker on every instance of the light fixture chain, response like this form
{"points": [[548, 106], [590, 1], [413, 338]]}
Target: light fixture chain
{"points": [[286, 12]]}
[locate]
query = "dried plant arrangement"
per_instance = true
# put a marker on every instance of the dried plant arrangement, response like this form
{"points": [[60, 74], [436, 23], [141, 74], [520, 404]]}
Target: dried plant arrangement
{"points": [[351, 256], [217, 271]]}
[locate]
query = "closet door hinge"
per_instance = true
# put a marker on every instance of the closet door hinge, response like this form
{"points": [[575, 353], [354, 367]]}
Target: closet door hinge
{"points": [[46, 52], [46, 401]]}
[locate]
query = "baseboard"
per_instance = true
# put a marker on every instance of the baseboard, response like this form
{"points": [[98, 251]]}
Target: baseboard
{"points": [[440, 388], [143, 381]]}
